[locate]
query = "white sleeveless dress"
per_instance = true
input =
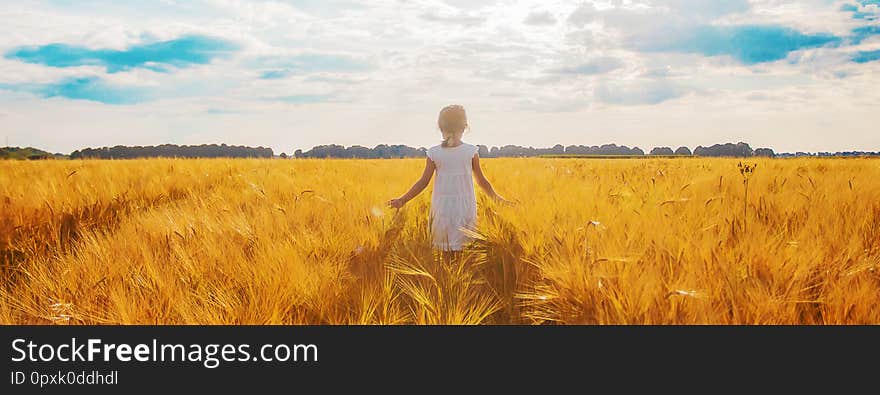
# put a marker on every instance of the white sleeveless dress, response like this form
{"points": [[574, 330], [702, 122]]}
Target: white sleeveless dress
{"points": [[453, 202]]}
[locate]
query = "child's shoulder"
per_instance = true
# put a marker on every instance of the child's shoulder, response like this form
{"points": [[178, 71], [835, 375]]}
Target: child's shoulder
{"points": [[471, 148], [433, 150], [440, 148]]}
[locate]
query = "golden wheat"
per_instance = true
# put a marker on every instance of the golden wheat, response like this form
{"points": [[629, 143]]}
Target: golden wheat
{"points": [[629, 241]]}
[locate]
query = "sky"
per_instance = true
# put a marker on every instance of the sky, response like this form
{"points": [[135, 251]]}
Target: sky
{"points": [[292, 74]]}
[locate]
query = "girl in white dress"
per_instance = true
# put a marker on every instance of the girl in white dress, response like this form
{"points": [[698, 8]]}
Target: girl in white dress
{"points": [[453, 202]]}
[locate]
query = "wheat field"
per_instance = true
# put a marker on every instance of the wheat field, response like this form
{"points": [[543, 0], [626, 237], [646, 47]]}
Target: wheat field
{"points": [[591, 241]]}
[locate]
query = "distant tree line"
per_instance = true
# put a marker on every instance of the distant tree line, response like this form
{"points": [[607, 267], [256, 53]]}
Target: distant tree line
{"points": [[515, 151], [173, 151], [827, 154], [356, 151], [741, 150], [509, 151], [29, 153]]}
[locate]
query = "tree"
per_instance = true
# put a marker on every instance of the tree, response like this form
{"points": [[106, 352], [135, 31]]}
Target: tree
{"points": [[663, 151], [483, 151], [765, 152], [683, 151], [731, 150], [173, 151]]}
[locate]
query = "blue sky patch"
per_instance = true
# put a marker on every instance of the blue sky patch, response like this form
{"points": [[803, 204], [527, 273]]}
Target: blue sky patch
{"points": [[749, 44], [84, 88], [866, 56], [158, 56], [868, 14], [863, 33], [274, 74]]}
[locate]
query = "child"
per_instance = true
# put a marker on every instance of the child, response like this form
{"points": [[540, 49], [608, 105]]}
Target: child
{"points": [[453, 203]]}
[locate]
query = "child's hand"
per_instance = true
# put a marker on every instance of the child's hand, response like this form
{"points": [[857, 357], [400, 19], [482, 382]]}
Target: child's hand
{"points": [[396, 203], [502, 200]]}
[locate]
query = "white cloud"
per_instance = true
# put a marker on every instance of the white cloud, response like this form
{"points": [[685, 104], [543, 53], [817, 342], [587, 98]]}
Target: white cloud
{"points": [[459, 18], [600, 65], [540, 18], [640, 92]]}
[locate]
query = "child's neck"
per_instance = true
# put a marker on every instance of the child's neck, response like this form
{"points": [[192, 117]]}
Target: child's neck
{"points": [[453, 142]]}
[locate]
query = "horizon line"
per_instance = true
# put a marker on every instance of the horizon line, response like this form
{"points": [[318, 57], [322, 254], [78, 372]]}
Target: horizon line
{"points": [[646, 152]]}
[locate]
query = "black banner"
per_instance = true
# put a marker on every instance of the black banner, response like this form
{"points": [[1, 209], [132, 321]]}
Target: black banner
{"points": [[111, 359]]}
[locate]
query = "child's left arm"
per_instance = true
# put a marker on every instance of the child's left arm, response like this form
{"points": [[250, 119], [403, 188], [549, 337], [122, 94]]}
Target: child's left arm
{"points": [[483, 182]]}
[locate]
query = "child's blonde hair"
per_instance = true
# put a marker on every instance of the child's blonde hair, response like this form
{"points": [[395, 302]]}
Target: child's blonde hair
{"points": [[452, 121]]}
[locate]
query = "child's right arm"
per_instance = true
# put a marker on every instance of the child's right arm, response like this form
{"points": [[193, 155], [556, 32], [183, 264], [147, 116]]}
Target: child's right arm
{"points": [[483, 182], [417, 188]]}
